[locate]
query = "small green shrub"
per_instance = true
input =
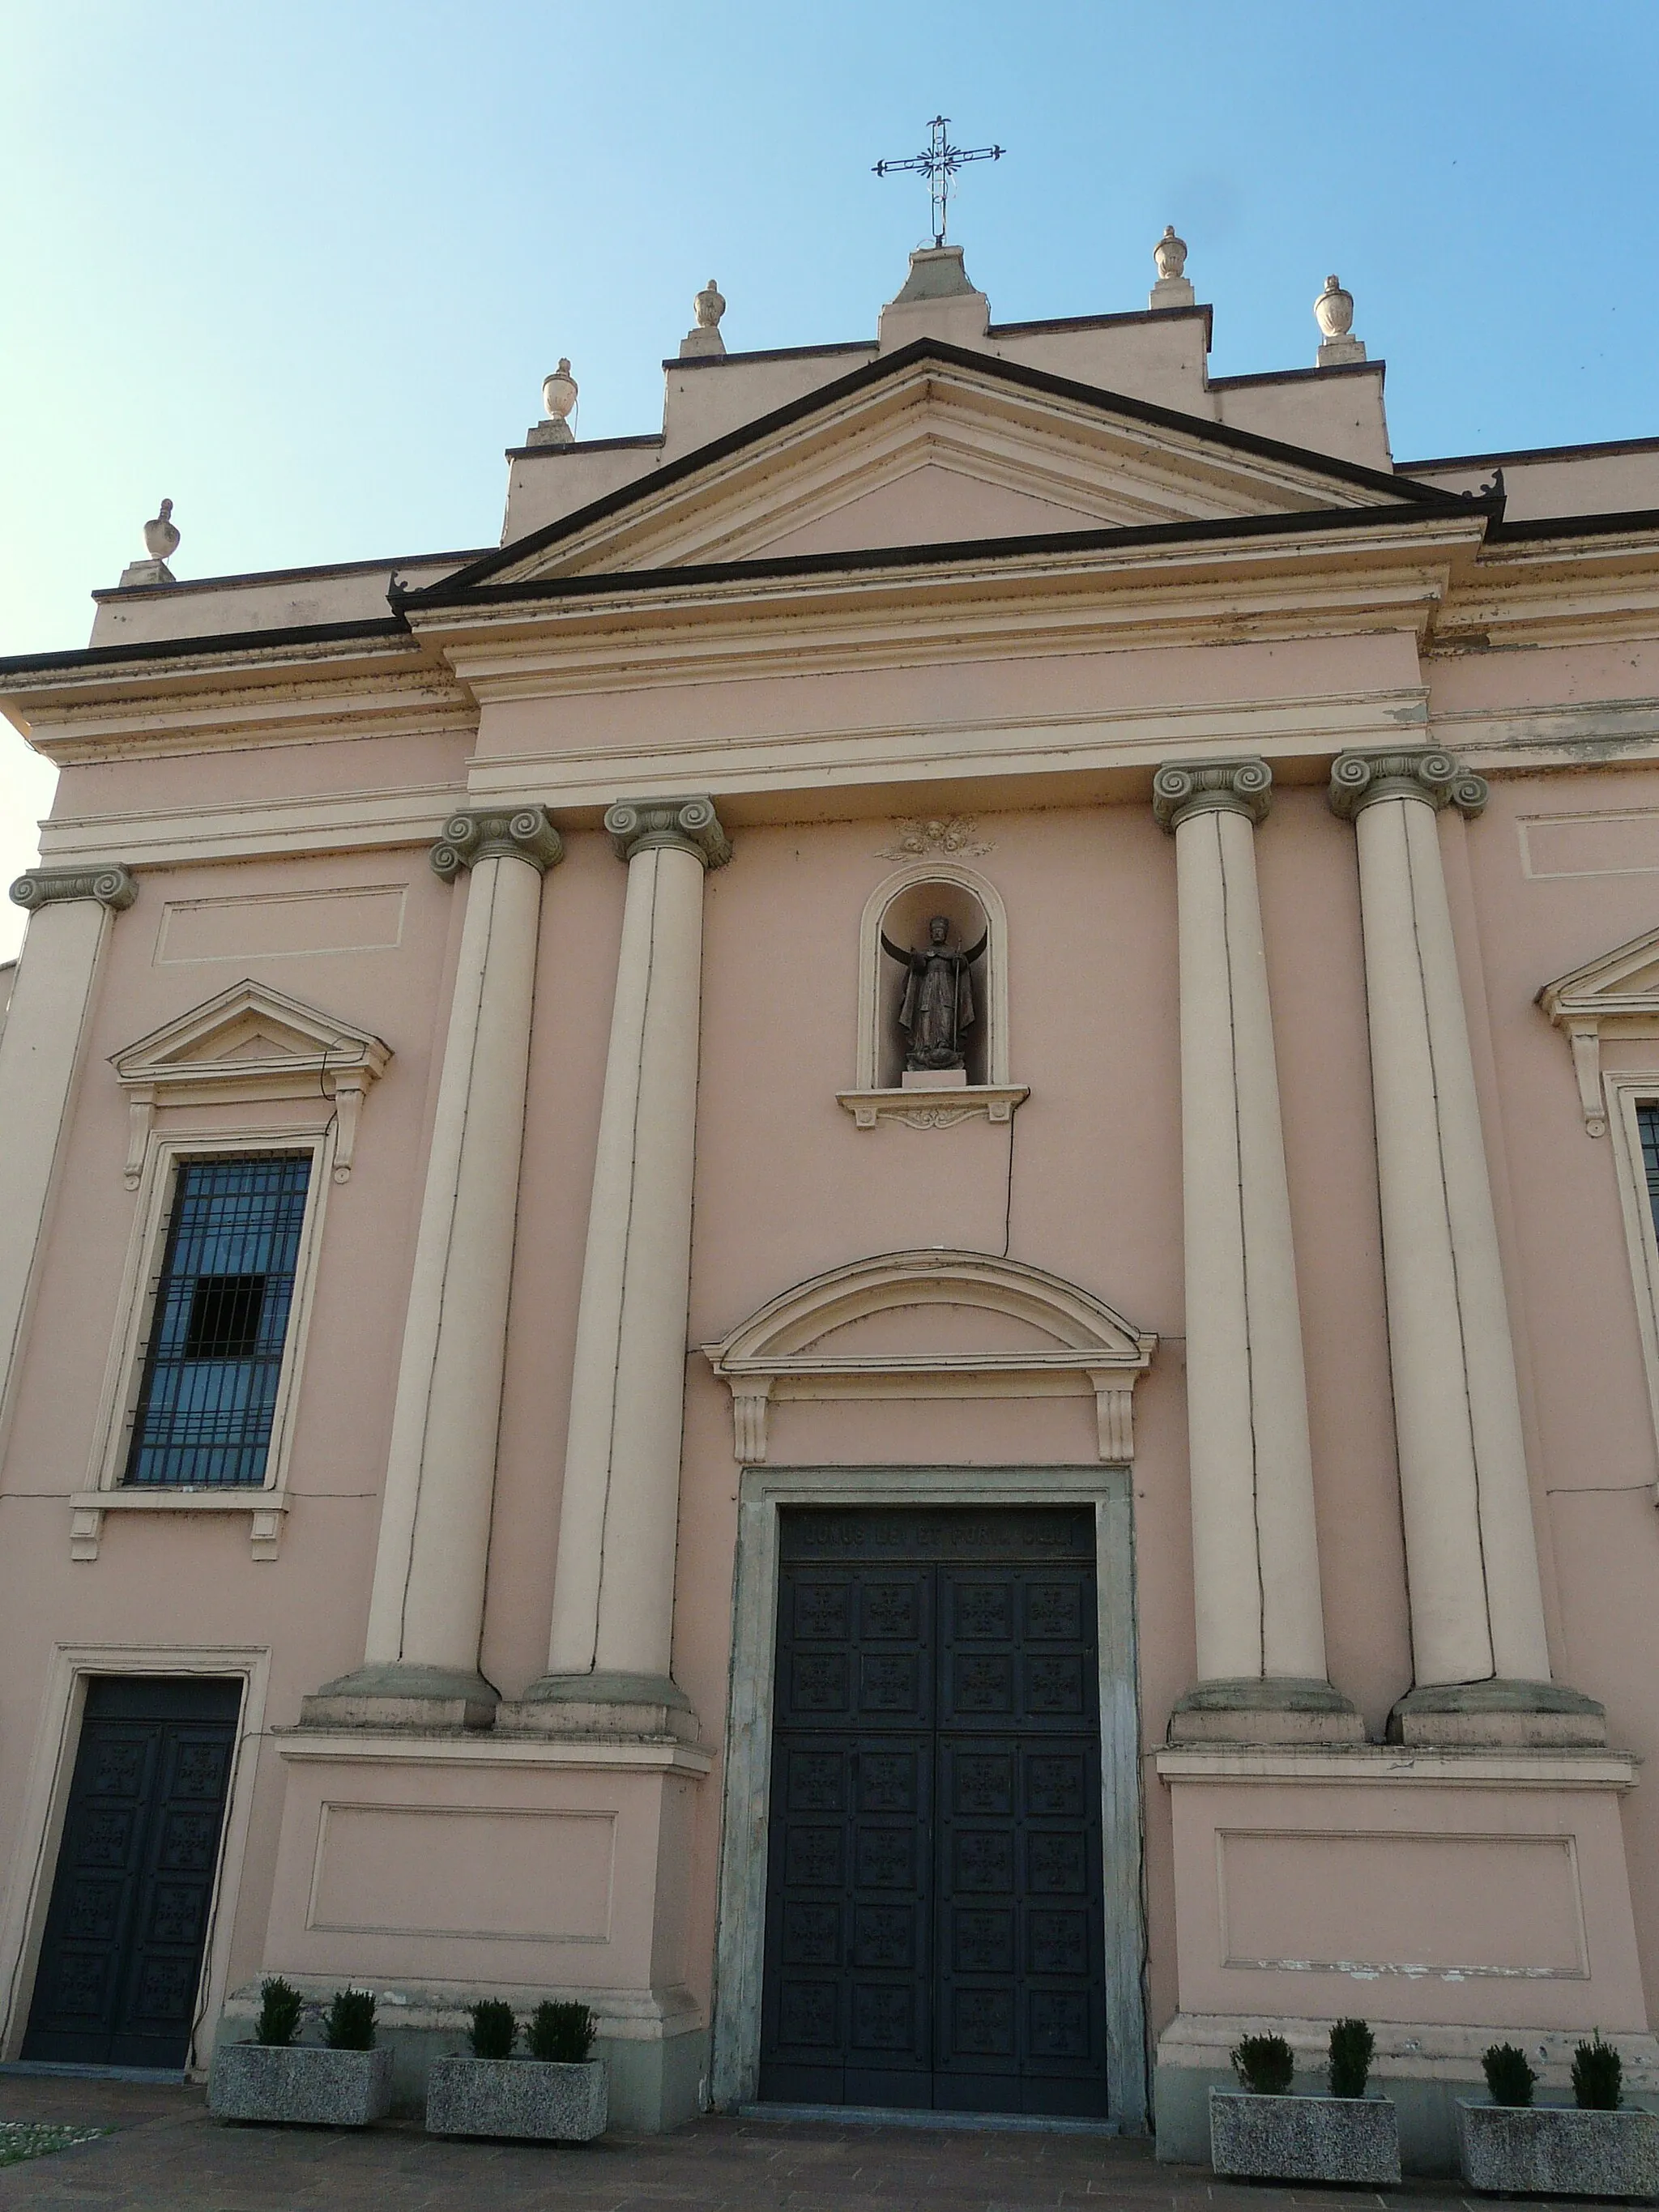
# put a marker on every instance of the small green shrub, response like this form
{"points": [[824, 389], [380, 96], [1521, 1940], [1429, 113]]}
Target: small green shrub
{"points": [[1598, 2076], [350, 2023], [1509, 2079], [560, 2035], [1264, 2063], [1351, 2046], [280, 2007], [494, 2030]]}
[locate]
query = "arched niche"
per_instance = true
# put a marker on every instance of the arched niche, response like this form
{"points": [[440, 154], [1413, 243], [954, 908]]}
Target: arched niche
{"points": [[899, 908]]}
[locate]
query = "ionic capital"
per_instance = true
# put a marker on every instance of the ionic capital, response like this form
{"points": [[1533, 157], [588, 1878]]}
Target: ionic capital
{"points": [[115, 887], [1183, 788], [525, 834], [639, 826], [1436, 778]]}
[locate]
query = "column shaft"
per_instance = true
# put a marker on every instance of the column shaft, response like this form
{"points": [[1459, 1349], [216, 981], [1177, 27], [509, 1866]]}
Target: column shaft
{"points": [[1476, 1605], [426, 1613], [41, 1054], [1255, 1558], [611, 1647]]}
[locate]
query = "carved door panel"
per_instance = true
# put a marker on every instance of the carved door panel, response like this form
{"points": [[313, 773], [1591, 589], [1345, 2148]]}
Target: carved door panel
{"points": [[933, 1935], [121, 1957]]}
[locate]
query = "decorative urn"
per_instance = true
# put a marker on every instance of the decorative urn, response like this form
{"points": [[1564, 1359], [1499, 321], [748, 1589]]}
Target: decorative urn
{"points": [[1334, 310], [1170, 254], [559, 392]]}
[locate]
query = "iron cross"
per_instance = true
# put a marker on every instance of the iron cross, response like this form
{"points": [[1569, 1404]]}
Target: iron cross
{"points": [[938, 164]]}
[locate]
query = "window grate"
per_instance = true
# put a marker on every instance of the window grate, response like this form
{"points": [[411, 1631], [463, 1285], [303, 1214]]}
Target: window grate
{"points": [[221, 1322], [1646, 1120]]}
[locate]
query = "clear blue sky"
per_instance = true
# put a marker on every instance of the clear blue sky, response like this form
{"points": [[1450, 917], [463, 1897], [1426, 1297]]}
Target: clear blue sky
{"points": [[303, 267]]}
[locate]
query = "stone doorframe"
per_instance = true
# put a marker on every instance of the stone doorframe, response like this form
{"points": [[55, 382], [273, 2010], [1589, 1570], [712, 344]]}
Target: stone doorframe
{"points": [[45, 1803], [740, 1926]]}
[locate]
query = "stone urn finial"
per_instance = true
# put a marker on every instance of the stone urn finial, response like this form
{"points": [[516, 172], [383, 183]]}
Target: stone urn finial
{"points": [[162, 533], [1334, 310], [1333, 313], [709, 307], [703, 339], [559, 395], [1170, 254]]}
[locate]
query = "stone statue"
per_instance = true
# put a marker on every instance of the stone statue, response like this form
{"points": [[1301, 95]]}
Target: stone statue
{"points": [[938, 1008]]}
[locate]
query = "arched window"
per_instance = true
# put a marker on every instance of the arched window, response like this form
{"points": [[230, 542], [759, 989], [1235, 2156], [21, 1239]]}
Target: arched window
{"points": [[901, 911]]}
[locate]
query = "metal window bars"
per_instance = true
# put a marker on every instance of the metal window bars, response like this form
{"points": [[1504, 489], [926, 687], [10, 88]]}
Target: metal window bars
{"points": [[220, 1324]]}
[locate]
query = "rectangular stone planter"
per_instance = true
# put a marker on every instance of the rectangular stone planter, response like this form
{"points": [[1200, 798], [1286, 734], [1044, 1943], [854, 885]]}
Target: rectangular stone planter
{"points": [[521, 2098], [304, 2083], [1295, 2138], [1556, 2150]]}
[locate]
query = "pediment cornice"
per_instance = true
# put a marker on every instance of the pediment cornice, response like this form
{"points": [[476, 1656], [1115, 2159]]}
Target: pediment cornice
{"points": [[1615, 995]]}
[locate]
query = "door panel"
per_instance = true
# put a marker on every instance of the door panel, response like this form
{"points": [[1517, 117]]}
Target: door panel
{"points": [[934, 1910], [121, 1957]]}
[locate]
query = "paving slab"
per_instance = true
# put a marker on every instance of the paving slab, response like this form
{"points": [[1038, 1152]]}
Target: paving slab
{"points": [[164, 2154]]}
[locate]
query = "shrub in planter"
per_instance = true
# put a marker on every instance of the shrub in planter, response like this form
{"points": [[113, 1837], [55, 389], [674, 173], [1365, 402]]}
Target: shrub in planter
{"points": [[1598, 2076], [562, 2034], [280, 2007], [494, 2030], [1510, 2077], [557, 2094], [1594, 2148], [1352, 2046], [346, 2083], [1264, 2063], [1266, 2133]]}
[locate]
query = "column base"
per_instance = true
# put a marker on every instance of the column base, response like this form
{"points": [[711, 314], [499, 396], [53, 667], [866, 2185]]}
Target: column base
{"points": [[1508, 1715], [1273, 1709], [607, 1703], [400, 1695]]}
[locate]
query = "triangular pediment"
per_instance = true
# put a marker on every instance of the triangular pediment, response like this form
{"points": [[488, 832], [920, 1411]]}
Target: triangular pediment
{"points": [[1622, 985], [935, 446], [250, 1031]]}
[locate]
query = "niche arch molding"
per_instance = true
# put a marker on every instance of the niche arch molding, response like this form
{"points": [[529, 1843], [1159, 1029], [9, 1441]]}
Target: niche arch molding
{"points": [[1062, 1342], [871, 1100]]}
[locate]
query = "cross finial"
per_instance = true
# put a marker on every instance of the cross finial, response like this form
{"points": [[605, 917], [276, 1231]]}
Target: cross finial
{"points": [[939, 162]]}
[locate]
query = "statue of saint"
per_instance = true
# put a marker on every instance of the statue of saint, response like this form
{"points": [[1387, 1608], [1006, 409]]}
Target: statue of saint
{"points": [[938, 1008]]}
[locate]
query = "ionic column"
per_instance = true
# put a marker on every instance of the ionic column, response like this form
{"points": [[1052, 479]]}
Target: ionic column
{"points": [[1477, 1612], [52, 997], [613, 1598], [1255, 1555], [426, 1613]]}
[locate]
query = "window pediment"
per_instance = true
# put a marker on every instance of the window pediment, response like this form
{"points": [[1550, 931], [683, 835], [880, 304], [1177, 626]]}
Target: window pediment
{"points": [[820, 1339], [245, 1043], [1614, 996]]}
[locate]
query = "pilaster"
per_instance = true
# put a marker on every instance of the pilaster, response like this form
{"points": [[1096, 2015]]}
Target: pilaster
{"points": [[1255, 1564], [613, 1604], [425, 1612], [1480, 1652]]}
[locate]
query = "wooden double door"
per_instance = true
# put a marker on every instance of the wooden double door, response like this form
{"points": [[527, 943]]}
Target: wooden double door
{"points": [[933, 1925], [121, 1957]]}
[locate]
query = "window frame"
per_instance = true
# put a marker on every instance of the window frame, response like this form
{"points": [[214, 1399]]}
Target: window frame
{"points": [[1624, 1095], [124, 1378]]}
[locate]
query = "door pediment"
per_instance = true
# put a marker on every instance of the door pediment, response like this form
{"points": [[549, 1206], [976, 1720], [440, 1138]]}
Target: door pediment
{"points": [[933, 1325]]}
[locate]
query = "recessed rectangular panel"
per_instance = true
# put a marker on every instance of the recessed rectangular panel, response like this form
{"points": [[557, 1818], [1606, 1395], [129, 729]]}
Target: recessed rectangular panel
{"points": [[1622, 844], [418, 1870], [282, 924], [1384, 1902]]}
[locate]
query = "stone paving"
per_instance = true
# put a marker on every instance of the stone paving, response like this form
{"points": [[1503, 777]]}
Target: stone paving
{"points": [[165, 2155]]}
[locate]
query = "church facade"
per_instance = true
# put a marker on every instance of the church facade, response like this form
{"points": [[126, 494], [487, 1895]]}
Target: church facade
{"points": [[859, 1253]]}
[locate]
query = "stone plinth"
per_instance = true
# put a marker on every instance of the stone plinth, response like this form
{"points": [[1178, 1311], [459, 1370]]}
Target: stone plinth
{"points": [[1352, 2139], [301, 2083], [1556, 2150], [520, 2098]]}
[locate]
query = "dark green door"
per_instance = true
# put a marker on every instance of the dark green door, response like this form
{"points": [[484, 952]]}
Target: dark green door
{"points": [[121, 1960], [934, 1933]]}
